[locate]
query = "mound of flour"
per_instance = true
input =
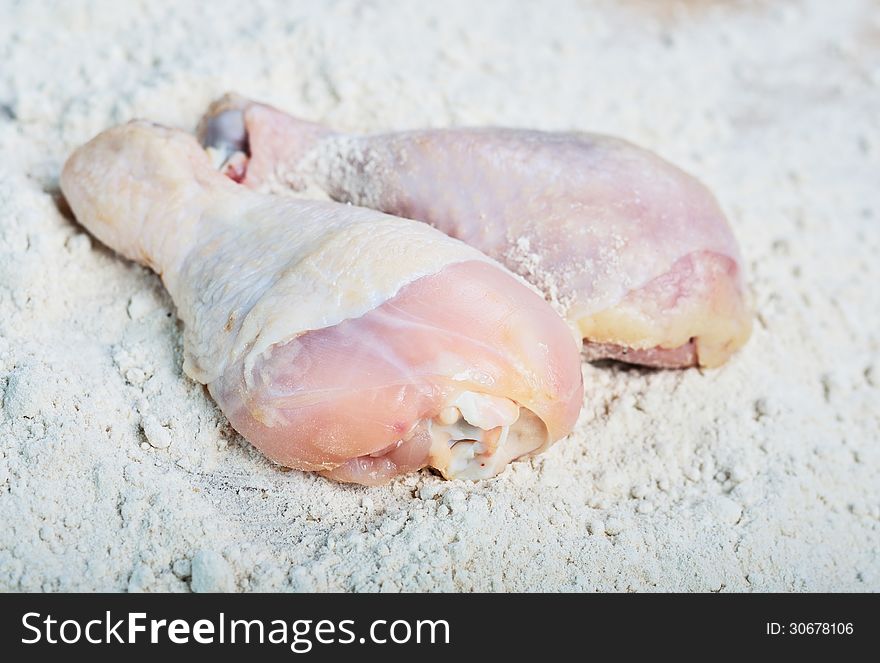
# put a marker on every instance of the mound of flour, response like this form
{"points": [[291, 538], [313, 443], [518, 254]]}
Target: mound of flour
{"points": [[119, 473]]}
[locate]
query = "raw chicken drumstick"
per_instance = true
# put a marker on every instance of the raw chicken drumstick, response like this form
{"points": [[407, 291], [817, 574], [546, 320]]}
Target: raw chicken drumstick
{"points": [[336, 339], [635, 253]]}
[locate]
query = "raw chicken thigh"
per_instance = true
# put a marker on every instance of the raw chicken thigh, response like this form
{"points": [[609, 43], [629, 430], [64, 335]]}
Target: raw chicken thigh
{"points": [[635, 253], [336, 339]]}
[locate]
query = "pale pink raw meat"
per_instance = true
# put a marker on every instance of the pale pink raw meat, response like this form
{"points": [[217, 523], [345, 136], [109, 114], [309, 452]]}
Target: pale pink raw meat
{"points": [[364, 384], [635, 253], [457, 366]]}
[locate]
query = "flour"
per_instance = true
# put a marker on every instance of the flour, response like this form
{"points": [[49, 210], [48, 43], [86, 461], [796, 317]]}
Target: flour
{"points": [[527, 262], [119, 473]]}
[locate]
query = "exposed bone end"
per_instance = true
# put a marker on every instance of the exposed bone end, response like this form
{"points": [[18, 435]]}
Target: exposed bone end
{"points": [[256, 144], [493, 452], [461, 442], [223, 133], [223, 122], [491, 433], [449, 415]]}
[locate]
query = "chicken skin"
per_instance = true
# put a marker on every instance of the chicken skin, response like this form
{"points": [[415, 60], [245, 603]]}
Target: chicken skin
{"points": [[336, 339], [633, 252]]}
